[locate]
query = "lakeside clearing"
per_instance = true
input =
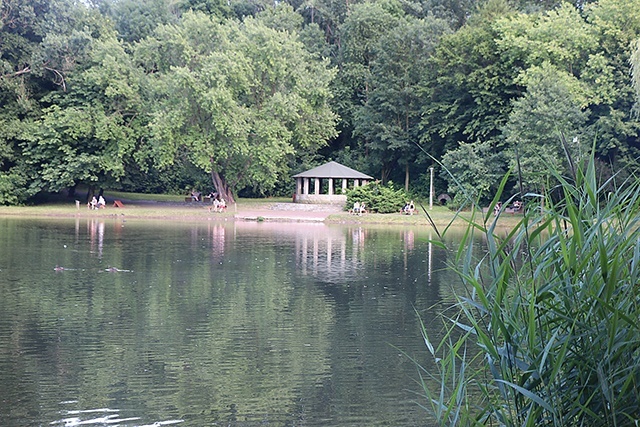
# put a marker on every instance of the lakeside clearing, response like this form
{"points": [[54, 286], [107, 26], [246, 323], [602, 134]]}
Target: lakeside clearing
{"points": [[174, 208]]}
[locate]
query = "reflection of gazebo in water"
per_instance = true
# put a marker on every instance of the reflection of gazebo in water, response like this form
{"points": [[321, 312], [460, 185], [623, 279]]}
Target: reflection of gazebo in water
{"points": [[330, 172]]}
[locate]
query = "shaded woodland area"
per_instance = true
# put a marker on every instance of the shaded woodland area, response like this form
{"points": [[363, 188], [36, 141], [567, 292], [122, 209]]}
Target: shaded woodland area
{"points": [[236, 96]]}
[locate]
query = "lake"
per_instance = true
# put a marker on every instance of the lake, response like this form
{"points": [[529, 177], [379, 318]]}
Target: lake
{"points": [[138, 323]]}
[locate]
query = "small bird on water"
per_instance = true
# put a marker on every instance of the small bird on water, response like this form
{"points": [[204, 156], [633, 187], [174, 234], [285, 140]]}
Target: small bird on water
{"points": [[115, 270]]}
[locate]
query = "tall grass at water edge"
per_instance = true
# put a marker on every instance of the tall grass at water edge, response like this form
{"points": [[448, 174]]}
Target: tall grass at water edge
{"points": [[548, 332]]}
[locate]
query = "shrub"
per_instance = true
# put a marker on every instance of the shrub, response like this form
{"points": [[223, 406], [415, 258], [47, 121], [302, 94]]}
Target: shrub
{"points": [[378, 198], [14, 189], [549, 332]]}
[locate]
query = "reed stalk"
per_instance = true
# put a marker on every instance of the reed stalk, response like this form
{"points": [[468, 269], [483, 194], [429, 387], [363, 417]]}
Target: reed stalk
{"points": [[548, 330]]}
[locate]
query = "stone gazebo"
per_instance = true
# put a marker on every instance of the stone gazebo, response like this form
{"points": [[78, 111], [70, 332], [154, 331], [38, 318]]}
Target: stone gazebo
{"points": [[330, 172]]}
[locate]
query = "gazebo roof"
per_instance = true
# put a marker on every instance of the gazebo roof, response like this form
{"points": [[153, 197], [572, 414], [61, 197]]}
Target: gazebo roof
{"points": [[332, 170]]}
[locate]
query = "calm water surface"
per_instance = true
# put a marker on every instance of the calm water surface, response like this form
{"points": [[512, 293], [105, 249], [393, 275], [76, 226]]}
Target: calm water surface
{"points": [[214, 324]]}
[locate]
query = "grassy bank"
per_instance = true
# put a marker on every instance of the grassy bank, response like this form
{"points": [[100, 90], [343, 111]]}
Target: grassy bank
{"points": [[174, 208]]}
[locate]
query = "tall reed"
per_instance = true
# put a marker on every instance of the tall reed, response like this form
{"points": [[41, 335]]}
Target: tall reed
{"points": [[548, 332]]}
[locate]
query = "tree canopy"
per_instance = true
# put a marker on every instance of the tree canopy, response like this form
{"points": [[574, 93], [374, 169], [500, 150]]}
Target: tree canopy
{"points": [[121, 94], [239, 98]]}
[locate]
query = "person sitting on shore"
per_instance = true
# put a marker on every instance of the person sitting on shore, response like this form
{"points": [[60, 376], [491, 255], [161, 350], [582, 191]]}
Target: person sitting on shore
{"points": [[101, 203], [195, 195], [363, 208], [356, 208], [517, 206], [93, 204]]}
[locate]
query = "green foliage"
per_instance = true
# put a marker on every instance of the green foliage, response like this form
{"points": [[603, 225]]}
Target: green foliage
{"points": [[547, 333], [468, 87], [360, 34], [13, 189], [635, 71], [245, 87], [136, 19], [378, 198], [239, 98], [214, 8], [473, 171], [547, 110], [389, 120]]}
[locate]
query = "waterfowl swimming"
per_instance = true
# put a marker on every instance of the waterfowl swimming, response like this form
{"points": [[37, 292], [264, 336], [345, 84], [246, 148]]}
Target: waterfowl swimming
{"points": [[115, 270]]}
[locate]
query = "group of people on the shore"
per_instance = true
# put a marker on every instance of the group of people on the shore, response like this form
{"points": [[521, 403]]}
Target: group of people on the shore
{"points": [[409, 208], [516, 207], [358, 208], [218, 203], [98, 203]]}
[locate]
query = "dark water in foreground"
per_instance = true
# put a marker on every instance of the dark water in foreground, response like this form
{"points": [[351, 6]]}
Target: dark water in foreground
{"points": [[213, 324]]}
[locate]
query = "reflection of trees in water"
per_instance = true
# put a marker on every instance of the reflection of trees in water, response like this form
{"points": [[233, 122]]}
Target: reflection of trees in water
{"points": [[377, 279], [233, 322], [360, 260]]}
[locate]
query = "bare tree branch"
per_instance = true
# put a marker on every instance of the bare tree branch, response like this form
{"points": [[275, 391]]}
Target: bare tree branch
{"points": [[59, 78], [18, 73]]}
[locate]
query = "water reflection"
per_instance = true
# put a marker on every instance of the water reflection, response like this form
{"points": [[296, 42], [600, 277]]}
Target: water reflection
{"points": [[213, 323], [324, 251], [217, 232], [96, 232], [101, 417]]}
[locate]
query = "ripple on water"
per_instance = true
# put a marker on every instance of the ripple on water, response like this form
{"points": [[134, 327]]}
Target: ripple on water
{"points": [[103, 417]]}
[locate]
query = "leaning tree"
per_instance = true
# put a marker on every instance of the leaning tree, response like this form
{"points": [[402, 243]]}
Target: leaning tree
{"points": [[238, 98]]}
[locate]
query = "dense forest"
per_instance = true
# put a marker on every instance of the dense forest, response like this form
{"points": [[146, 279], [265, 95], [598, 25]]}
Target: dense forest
{"points": [[238, 95]]}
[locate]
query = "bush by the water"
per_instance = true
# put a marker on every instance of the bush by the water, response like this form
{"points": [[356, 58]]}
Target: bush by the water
{"points": [[548, 331], [378, 198]]}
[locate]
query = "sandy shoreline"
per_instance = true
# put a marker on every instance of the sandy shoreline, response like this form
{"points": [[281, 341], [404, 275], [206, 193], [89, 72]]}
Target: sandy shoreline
{"points": [[170, 211], [252, 210]]}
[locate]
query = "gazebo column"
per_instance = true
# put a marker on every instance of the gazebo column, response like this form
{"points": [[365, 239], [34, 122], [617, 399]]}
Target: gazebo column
{"points": [[356, 182], [331, 186], [365, 182], [316, 186], [306, 185], [298, 185], [344, 185]]}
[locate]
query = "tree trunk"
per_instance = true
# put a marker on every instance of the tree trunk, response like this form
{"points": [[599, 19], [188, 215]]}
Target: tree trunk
{"points": [[221, 187], [406, 178], [90, 193], [384, 174]]}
